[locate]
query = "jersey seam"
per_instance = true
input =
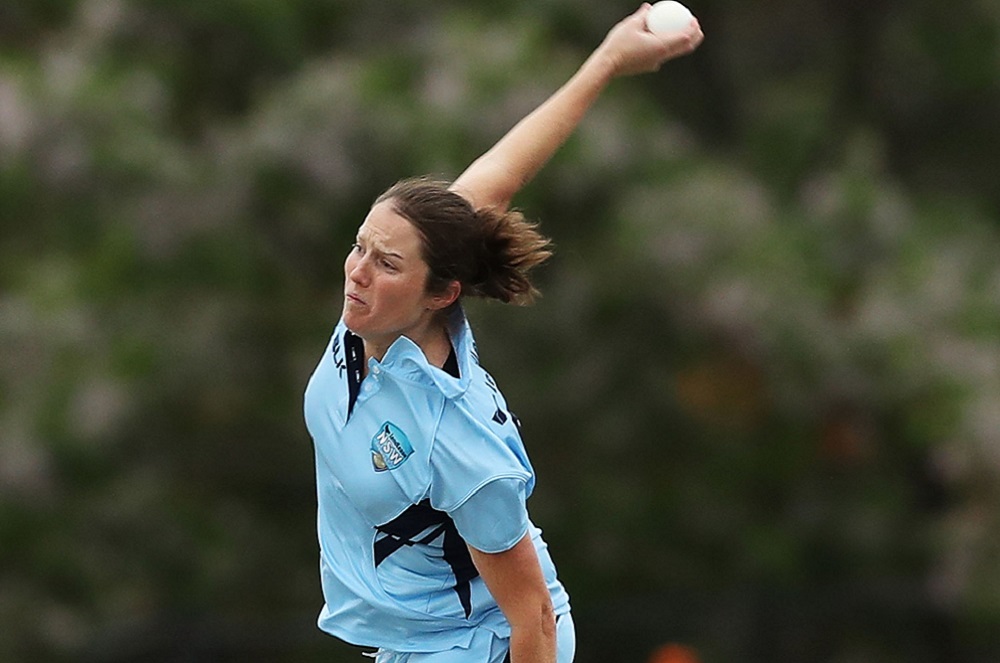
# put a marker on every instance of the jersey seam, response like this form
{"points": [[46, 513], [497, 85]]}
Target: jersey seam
{"points": [[520, 476]]}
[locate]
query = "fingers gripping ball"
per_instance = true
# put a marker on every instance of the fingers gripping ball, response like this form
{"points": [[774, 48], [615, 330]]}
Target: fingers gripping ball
{"points": [[667, 17]]}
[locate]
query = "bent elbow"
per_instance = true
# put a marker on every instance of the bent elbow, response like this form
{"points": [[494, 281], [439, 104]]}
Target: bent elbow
{"points": [[536, 617], [547, 619]]}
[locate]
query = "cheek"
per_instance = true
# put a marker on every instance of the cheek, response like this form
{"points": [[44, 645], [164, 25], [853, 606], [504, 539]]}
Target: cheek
{"points": [[403, 297]]}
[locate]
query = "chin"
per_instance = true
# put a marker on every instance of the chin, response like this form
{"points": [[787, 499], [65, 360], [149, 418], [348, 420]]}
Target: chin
{"points": [[357, 326], [353, 326], [351, 321]]}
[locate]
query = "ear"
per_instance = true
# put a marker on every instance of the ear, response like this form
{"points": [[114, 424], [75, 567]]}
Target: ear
{"points": [[446, 297]]}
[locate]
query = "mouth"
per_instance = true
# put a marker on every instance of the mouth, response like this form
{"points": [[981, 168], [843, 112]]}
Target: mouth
{"points": [[354, 299]]}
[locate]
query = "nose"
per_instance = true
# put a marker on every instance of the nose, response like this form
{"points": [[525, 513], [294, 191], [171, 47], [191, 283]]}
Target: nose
{"points": [[357, 270]]}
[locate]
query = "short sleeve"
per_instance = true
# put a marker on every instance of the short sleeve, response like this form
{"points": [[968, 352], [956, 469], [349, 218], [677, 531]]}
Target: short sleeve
{"points": [[495, 517], [470, 451]]}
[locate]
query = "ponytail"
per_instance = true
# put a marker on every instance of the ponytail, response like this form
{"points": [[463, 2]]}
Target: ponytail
{"points": [[511, 247], [489, 251]]}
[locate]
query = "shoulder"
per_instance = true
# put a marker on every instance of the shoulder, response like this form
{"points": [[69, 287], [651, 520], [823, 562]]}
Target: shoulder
{"points": [[483, 400], [477, 442]]}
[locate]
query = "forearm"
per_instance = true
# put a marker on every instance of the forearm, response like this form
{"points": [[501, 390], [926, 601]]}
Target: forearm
{"points": [[535, 643], [494, 178]]}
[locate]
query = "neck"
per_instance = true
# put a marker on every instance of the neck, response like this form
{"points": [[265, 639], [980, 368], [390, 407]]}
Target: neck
{"points": [[433, 341]]}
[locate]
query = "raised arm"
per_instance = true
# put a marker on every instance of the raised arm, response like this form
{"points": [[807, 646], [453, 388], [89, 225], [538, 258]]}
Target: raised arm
{"points": [[629, 48]]}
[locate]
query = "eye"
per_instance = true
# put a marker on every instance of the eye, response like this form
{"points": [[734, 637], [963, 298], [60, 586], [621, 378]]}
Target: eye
{"points": [[388, 265], [356, 248]]}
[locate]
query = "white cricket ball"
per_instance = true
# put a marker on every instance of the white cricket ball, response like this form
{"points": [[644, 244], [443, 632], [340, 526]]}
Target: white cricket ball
{"points": [[668, 16]]}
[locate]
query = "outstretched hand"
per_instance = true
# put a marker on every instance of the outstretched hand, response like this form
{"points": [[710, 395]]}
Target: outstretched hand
{"points": [[630, 48]]}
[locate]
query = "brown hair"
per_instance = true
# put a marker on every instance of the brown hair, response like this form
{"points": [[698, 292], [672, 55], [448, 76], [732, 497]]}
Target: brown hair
{"points": [[488, 251]]}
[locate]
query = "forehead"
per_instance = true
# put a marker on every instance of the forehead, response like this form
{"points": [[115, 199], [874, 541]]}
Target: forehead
{"points": [[388, 231]]}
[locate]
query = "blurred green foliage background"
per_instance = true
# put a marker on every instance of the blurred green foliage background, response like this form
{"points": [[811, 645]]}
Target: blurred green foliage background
{"points": [[762, 392]]}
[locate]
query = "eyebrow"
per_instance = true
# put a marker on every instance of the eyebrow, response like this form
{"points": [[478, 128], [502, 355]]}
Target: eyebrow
{"points": [[391, 254], [381, 250]]}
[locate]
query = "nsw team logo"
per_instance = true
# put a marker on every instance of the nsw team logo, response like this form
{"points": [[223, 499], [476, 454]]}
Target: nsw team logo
{"points": [[390, 448]]}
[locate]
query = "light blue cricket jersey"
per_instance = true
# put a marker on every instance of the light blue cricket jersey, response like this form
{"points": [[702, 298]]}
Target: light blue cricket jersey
{"points": [[421, 464]]}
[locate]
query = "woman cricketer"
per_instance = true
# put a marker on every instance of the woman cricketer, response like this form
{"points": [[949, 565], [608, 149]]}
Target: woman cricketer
{"points": [[426, 550]]}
